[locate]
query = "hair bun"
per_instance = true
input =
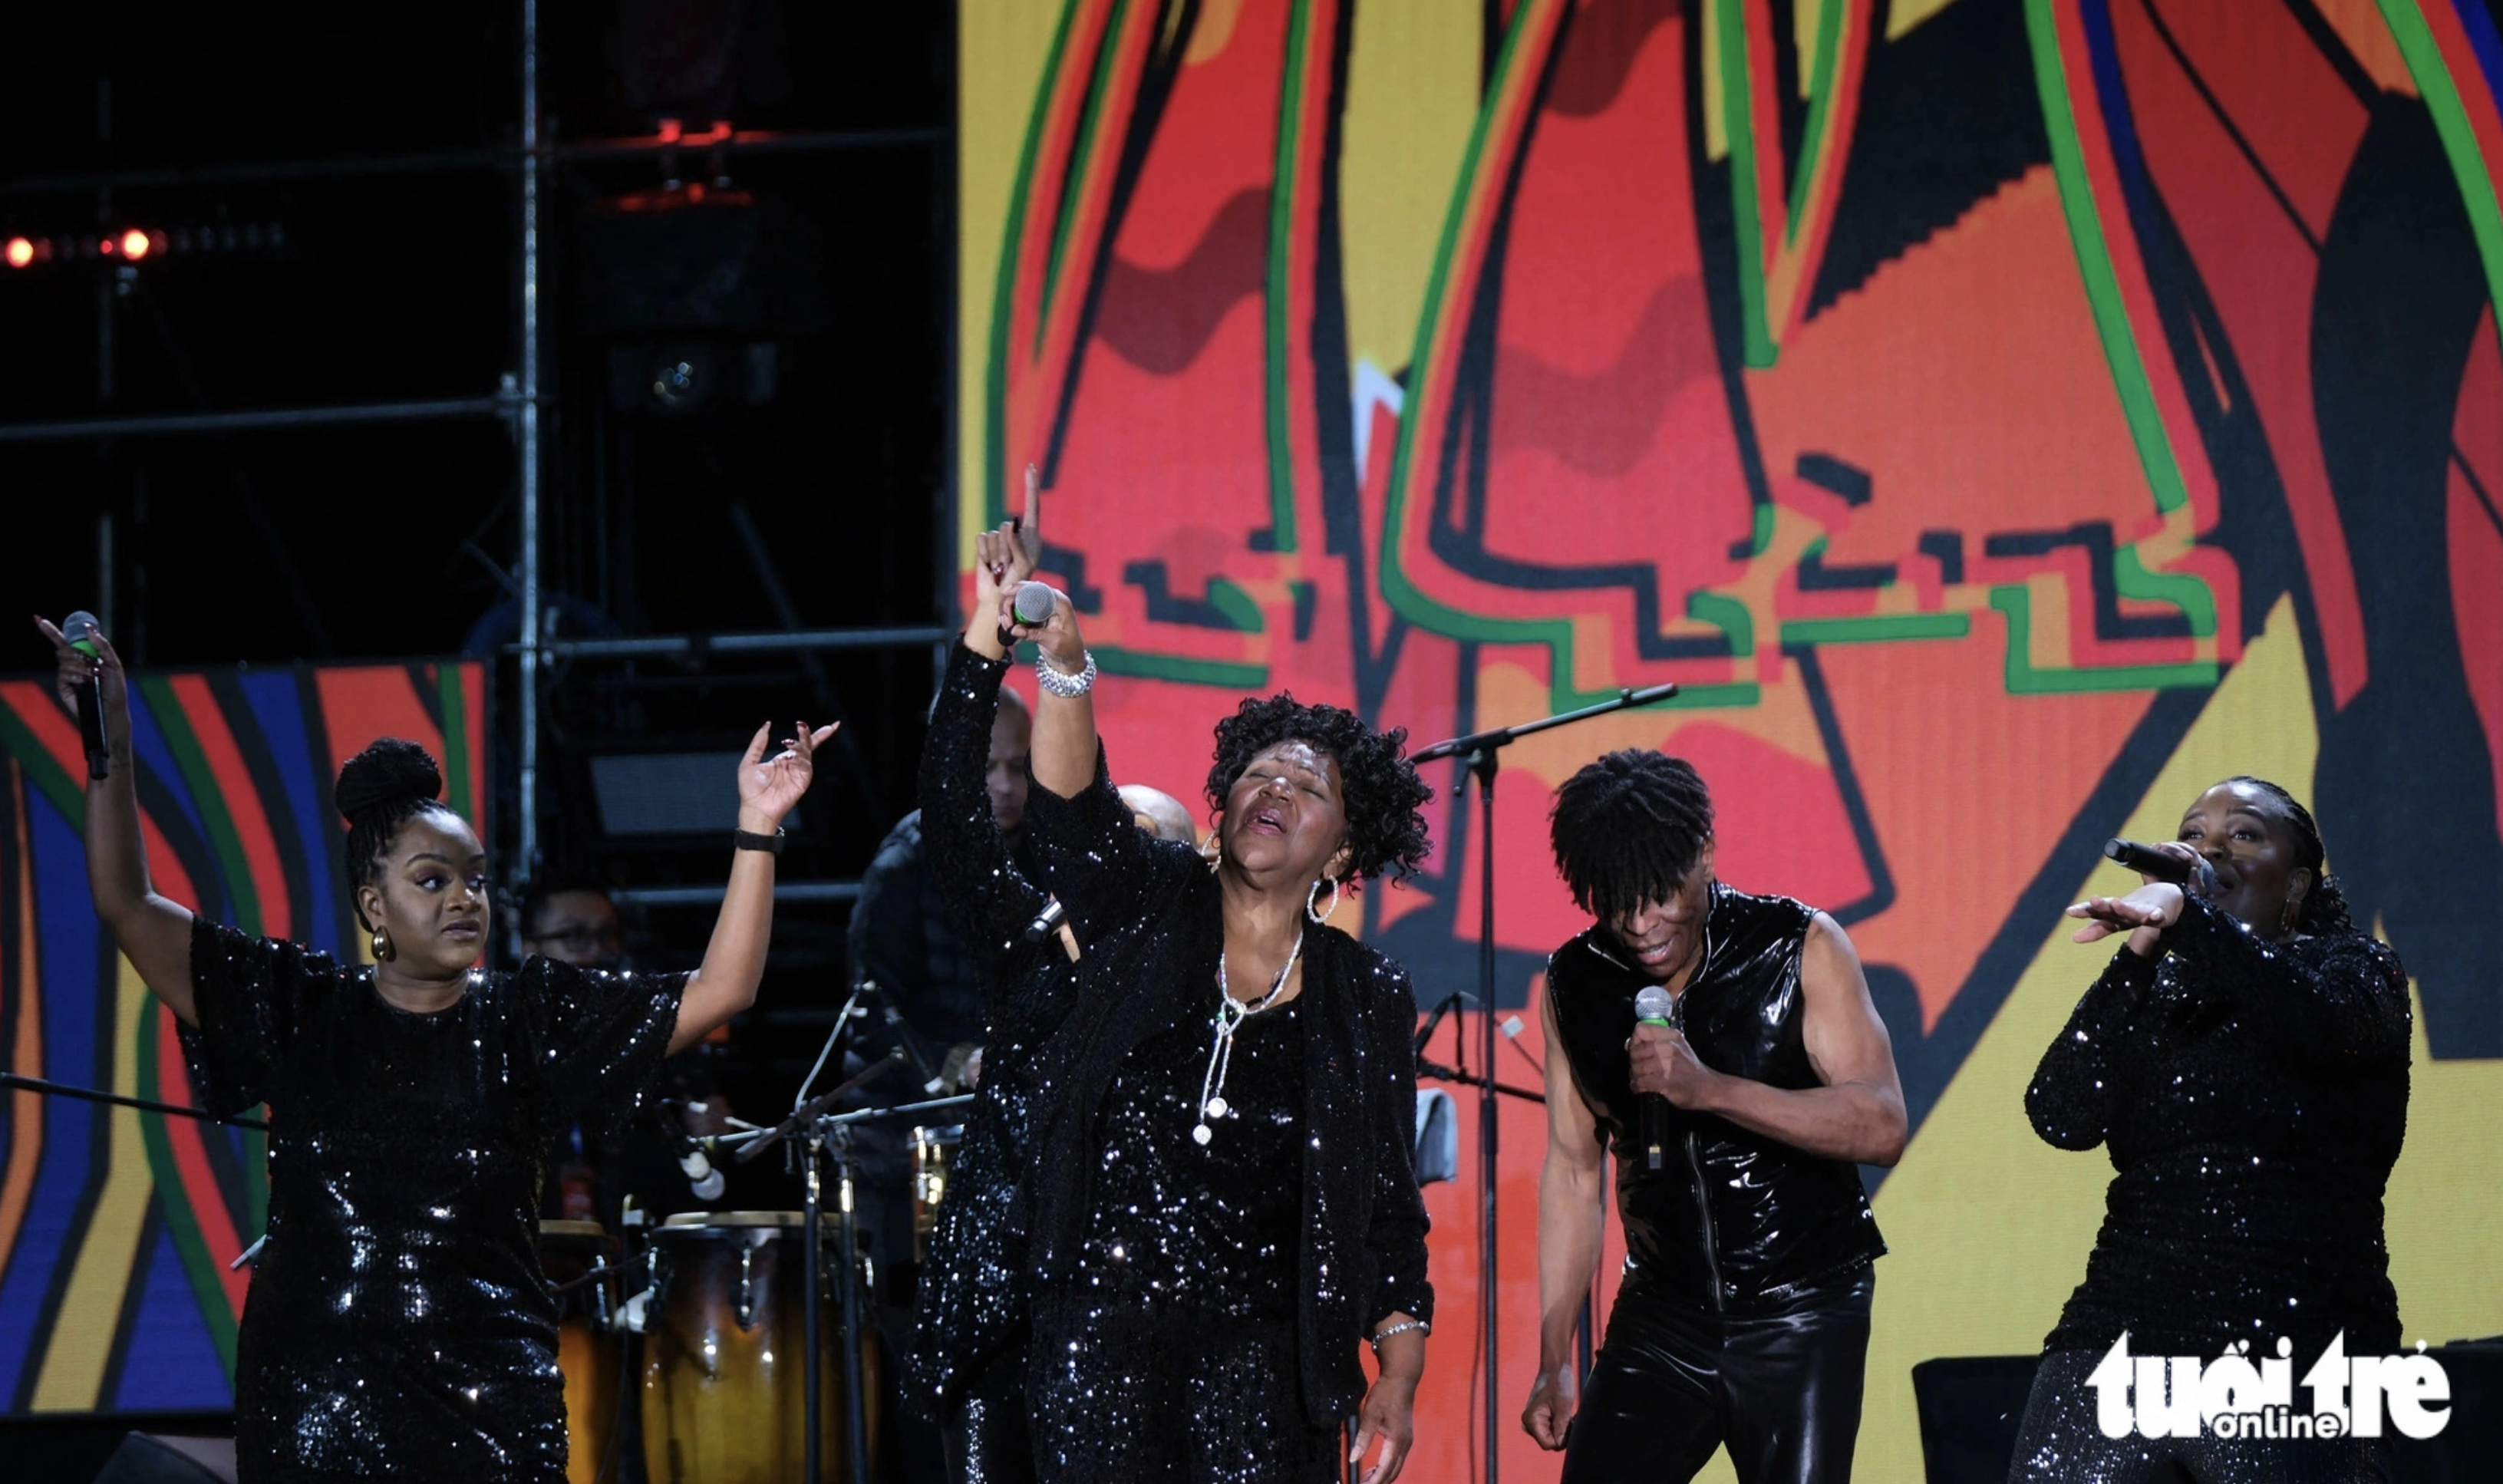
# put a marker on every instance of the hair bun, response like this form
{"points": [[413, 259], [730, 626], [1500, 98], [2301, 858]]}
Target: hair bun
{"points": [[388, 771]]}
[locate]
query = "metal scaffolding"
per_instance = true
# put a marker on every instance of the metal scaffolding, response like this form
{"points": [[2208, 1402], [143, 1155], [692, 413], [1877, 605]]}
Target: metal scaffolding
{"points": [[518, 400]]}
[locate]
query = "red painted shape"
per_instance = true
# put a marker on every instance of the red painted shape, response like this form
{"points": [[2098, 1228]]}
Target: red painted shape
{"points": [[243, 803]]}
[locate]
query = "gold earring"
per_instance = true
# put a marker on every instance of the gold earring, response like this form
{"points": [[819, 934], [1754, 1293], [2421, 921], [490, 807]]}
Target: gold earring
{"points": [[2285, 919], [384, 949]]}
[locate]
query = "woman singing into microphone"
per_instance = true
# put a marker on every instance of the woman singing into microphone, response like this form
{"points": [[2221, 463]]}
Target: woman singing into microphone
{"points": [[2245, 1063], [398, 1325], [1219, 1206]]}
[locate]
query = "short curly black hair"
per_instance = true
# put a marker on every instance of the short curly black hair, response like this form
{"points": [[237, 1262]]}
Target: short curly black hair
{"points": [[1628, 829], [1386, 826]]}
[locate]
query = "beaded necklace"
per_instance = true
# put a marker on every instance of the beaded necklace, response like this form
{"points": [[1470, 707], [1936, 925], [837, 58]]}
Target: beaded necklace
{"points": [[1231, 1012]]}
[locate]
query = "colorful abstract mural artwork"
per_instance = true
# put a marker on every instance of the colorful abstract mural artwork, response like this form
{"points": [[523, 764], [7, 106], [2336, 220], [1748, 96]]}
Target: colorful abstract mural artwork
{"points": [[1999, 417], [120, 1230]]}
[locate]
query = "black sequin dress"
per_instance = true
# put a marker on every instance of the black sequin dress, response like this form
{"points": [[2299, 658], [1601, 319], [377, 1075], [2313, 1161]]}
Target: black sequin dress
{"points": [[1115, 1361], [398, 1325], [2252, 1097]]}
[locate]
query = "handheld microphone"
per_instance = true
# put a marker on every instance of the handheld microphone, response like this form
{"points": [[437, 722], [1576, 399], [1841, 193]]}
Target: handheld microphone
{"points": [[1655, 1006], [694, 1161], [2195, 877], [82, 630], [1052, 917], [2147, 860], [1033, 603]]}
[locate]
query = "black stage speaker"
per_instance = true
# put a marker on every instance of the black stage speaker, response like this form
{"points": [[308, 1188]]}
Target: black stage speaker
{"points": [[148, 1459], [1970, 1407]]}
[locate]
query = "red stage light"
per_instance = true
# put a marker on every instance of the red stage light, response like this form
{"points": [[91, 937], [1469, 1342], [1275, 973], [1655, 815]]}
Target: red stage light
{"points": [[19, 252], [135, 244]]}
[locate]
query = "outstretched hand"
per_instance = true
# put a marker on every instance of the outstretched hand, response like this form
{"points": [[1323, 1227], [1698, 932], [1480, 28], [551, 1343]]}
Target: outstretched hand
{"points": [[2143, 914], [769, 788]]}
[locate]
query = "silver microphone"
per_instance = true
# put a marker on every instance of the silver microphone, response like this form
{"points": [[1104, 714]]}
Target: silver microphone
{"points": [[1033, 603]]}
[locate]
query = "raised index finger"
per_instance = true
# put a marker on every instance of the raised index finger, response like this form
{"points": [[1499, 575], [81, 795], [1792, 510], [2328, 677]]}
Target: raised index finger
{"points": [[1030, 518]]}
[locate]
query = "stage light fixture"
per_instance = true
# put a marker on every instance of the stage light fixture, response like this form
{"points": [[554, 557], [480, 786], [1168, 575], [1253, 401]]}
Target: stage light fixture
{"points": [[135, 244], [19, 252]]}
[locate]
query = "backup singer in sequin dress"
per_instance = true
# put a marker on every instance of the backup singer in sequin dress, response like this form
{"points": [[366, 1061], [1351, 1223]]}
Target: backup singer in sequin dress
{"points": [[397, 1323], [1219, 1206], [2245, 1063]]}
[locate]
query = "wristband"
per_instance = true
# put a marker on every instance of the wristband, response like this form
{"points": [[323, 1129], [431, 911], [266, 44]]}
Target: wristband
{"points": [[748, 840]]}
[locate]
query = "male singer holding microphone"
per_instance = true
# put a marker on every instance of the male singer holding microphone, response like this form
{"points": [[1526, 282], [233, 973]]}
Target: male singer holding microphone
{"points": [[1737, 1097]]}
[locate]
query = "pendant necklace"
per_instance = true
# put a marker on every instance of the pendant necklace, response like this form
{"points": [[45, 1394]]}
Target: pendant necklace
{"points": [[1230, 1015]]}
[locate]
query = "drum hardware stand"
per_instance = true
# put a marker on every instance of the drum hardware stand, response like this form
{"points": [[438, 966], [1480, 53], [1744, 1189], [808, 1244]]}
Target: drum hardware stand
{"points": [[1480, 750]]}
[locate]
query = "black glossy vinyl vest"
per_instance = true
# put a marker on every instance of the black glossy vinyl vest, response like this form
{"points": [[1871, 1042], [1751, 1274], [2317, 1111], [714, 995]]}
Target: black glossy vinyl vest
{"points": [[1733, 1219]]}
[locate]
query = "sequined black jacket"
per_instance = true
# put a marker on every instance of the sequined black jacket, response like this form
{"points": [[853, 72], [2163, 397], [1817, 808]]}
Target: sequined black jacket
{"points": [[2252, 1097], [1735, 1219], [1149, 917], [971, 1306]]}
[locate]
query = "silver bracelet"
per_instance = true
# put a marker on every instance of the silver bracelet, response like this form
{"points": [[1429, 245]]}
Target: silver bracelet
{"points": [[1062, 683], [1375, 1339]]}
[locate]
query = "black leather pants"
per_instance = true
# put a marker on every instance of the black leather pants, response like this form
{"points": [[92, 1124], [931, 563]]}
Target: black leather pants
{"points": [[985, 1435], [1780, 1385]]}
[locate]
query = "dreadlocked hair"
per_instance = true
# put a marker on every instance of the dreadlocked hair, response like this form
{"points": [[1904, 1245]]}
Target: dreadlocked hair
{"points": [[2324, 905], [381, 790], [1385, 828], [1628, 829]]}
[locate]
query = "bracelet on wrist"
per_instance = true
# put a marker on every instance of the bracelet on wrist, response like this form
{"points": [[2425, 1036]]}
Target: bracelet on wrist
{"points": [[750, 840], [1375, 1339], [1059, 682]]}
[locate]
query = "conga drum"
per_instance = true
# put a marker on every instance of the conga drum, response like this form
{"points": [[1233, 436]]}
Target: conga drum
{"points": [[723, 1364], [934, 1156], [586, 1350]]}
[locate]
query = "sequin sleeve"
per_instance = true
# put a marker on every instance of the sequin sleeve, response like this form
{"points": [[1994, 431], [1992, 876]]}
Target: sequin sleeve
{"points": [[2335, 1001], [1089, 851], [1396, 1235], [2077, 1086], [601, 1036], [961, 842], [249, 994]]}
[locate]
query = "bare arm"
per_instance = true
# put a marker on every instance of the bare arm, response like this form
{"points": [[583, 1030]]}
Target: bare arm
{"points": [[152, 932], [1065, 745], [1856, 1115], [1570, 1225], [734, 961]]}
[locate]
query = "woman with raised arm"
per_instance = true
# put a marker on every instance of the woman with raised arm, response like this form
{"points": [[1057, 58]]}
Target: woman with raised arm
{"points": [[1219, 1209], [2243, 1061], [397, 1323]]}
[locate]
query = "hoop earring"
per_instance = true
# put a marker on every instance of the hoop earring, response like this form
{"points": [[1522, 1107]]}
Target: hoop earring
{"points": [[2285, 919], [1215, 852], [385, 950], [1321, 917]]}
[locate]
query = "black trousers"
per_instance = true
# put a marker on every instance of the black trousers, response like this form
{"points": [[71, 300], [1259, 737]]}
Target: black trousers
{"points": [[1779, 1386]]}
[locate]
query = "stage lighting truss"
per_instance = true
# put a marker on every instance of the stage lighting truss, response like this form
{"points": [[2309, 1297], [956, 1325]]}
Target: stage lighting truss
{"points": [[135, 243]]}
